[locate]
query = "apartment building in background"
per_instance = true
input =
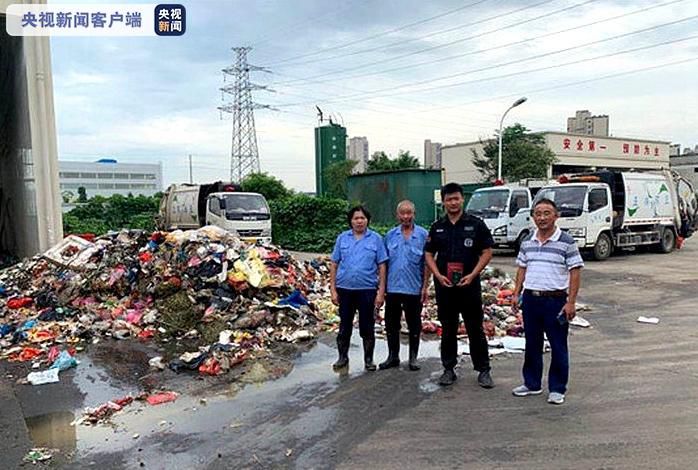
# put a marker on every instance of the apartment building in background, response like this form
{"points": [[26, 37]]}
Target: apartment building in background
{"points": [[432, 155], [584, 123], [357, 150]]}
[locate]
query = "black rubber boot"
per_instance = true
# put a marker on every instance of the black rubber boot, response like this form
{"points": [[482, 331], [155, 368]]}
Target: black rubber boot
{"points": [[447, 378], [343, 350], [414, 352], [369, 345], [393, 352]]}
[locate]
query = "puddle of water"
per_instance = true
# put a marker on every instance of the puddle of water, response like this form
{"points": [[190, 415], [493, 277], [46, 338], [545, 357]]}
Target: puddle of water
{"points": [[223, 415], [53, 430]]}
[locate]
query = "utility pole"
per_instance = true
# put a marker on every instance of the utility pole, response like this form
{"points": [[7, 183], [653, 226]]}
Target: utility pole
{"points": [[191, 173], [244, 156]]}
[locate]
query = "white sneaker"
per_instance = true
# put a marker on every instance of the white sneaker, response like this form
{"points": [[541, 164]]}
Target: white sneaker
{"points": [[524, 391], [555, 398]]}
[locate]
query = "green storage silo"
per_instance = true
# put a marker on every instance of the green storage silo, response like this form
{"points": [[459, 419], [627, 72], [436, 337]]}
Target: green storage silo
{"points": [[380, 192], [330, 148]]}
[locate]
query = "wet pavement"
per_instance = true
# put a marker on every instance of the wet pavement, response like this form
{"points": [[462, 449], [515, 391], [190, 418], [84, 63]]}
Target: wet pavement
{"points": [[631, 403]]}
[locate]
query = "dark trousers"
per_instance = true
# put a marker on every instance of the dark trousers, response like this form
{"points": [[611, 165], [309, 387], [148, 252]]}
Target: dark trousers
{"points": [[350, 301], [395, 304], [466, 302], [540, 316]]}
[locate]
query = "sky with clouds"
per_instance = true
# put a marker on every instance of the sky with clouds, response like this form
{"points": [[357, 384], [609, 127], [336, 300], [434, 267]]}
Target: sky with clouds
{"points": [[395, 71]]}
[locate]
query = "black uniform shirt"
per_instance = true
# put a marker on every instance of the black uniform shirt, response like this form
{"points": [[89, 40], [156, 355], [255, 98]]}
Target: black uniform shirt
{"points": [[462, 242]]}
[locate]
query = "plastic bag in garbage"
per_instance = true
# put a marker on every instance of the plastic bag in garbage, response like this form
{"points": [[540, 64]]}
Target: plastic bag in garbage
{"points": [[64, 361]]}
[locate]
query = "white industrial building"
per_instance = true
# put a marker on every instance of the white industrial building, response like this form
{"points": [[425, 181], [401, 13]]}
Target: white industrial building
{"points": [[107, 177], [357, 150], [574, 152]]}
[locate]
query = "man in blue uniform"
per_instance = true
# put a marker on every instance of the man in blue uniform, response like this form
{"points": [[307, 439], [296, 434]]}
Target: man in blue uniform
{"points": [[462, 245], [407, 284]]}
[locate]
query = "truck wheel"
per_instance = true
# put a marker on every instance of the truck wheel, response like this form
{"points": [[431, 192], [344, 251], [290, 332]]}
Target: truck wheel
{"points": [[603, 247], [667, 242]]}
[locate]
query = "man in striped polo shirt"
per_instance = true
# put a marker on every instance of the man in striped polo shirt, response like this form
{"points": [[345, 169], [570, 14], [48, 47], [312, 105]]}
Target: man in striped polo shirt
{"points": [[549, 276]]}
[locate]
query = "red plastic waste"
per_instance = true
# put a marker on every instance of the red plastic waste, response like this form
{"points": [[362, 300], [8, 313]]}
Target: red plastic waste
{"points": [[505, 297], [210, 367], [27, 354], [429, 327], [163, 397], [19, 302], [53, 354], [146, 334]]}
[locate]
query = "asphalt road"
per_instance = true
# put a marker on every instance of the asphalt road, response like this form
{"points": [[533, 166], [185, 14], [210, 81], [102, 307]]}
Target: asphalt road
{"points": [[631, 403]]}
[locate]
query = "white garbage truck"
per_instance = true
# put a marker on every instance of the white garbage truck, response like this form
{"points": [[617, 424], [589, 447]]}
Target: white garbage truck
{"points": [[225, 205], [505, 209], [609, 210]]}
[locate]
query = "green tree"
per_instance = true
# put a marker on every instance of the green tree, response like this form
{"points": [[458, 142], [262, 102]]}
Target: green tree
{"points": [[524, 155], [101, 214], [270, 187], [336, 178], [82, 194], [306, 223], [380, 161], [405, 160]]}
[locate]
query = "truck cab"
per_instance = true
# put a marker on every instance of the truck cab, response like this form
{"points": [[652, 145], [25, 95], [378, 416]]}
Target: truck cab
{"points": [[190, 206], [586, 213], [506, 212], [247, 215]]}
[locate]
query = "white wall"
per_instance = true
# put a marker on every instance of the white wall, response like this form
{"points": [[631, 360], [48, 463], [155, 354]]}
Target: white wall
{"points": [[457, 162]]}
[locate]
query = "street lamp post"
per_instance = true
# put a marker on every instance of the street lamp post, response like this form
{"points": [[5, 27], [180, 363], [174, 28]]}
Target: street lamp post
{"points": [[521, 100]]}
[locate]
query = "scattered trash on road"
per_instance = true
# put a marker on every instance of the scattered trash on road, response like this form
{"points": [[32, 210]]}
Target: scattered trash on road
{"points": [[49, 376], [580, 322], [38, 454], [160, 398]]}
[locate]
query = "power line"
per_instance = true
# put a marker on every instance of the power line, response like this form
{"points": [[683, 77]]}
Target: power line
{"points": [[348, 4], [375, 93], [384, 33], [469, 53], [451, 43], [498, 47], [565, 85]]}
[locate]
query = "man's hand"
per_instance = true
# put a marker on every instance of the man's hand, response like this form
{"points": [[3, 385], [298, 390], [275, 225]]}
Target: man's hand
{"points": [[380, 298], [443, 280], [516, 298], [425, 296], [466, 280], [335, 297], [570, 310]]}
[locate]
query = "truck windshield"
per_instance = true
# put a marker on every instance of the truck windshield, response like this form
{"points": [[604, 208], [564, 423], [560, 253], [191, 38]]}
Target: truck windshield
{"points": [[488, 204], [245, 204], [568, 199]]}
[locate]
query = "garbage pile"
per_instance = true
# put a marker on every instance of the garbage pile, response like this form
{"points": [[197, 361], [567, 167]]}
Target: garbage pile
{"points": [[233, 299], [502, 317]]}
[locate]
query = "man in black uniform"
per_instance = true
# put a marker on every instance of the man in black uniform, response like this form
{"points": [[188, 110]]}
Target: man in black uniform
{"points": [[462, 245]]}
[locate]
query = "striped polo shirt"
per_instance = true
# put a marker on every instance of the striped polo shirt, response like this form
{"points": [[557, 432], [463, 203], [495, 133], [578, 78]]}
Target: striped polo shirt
{"points": [[548, 263]]}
